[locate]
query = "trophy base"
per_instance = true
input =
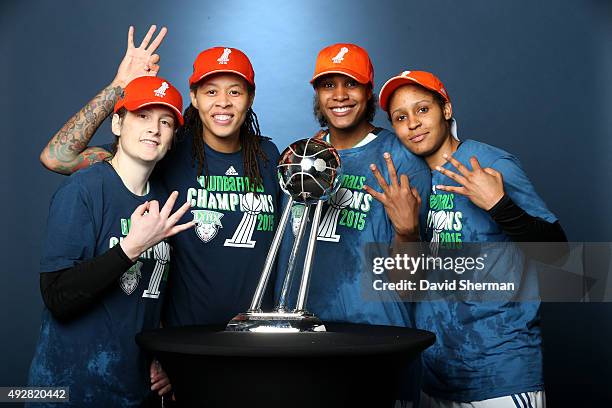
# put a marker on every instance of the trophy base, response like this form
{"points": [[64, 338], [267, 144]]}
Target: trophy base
{"points": [[276, 322]]}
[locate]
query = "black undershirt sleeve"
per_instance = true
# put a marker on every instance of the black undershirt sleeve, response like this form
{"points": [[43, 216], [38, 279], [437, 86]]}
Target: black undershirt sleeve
{"points": [[69, 292], [522, 227]]}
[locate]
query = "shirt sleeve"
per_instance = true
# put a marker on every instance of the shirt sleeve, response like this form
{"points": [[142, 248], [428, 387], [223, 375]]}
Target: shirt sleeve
{"points": [[520, 189], [522, 227], [70, 292], [70, 236]]}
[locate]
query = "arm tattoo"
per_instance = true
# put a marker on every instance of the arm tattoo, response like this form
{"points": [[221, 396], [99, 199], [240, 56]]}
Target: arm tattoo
{"points": [[68, 143]]}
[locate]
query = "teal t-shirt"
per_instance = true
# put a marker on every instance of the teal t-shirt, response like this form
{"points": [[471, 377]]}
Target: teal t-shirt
{"points": [[350, 220], [483, 349], [95, 354]]}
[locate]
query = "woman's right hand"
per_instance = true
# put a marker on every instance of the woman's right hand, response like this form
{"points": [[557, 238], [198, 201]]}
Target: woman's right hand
{"points": [[139, 61], [150, 225], [402, 202]]}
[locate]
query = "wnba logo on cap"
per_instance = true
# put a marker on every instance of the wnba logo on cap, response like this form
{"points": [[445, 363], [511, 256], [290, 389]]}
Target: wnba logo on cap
{"points": [[344, 58], [161, 91], [340, 56], [224, 58]]}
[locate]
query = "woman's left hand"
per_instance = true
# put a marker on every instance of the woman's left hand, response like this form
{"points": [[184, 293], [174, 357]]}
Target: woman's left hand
{"points": [[483, 186]]}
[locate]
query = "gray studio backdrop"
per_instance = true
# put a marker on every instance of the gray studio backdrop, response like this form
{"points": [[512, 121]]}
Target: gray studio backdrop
{"points": [[532, 77]]}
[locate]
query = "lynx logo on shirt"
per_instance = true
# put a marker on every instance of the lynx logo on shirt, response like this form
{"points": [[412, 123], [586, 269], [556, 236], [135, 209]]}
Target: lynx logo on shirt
{"points": [[130, 278], [207, 224]]}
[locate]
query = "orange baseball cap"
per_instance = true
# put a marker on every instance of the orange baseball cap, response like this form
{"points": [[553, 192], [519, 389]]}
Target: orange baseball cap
{"points": [[148, 90], [222, 59], [347, 59], [425, 79]]}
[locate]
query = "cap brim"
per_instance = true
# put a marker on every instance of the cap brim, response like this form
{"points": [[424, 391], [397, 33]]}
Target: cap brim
{"points": [[135, 105], [397, 81], [359, 78], [389, 87], [195, 80]]}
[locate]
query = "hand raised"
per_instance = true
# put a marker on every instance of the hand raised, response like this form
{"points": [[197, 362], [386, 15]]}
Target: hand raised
{"points": [[149, 225], [142, 60], [483, 186], [401, 201]]}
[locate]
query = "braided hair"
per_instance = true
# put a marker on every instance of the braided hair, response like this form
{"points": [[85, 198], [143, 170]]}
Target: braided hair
{"points": [[250, 143]]}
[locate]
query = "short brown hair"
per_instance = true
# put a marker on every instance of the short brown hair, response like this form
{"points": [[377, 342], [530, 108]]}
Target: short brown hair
{"points": [[121, 112]]}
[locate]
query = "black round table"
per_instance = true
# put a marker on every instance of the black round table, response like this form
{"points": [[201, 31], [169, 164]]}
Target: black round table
{"points": [[349, 365]]}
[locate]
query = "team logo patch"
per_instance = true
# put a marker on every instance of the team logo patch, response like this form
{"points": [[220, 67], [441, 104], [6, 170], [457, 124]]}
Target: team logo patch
{"points": [[207, 224], [438, 221], [296, 218], [161, 254], [130, 278], [224, 58], [161, 91], [340, 56], [329, 224], [251, 206]]}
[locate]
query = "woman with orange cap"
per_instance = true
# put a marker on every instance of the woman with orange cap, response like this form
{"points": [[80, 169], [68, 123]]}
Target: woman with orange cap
{"points": [[488, 353], [222, 165], [104, 260]]}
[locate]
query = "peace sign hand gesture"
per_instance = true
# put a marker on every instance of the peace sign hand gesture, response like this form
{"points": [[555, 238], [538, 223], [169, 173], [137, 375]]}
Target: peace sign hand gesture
{"points": [[139, 61], [401, 201], [483, 186]]}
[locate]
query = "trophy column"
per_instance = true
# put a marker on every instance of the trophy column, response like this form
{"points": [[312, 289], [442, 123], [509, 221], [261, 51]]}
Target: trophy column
{"points": [[309, 172]]}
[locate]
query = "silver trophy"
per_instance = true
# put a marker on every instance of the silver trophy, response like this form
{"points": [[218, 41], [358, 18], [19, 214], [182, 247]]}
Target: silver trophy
{"points": [[309, 171]]}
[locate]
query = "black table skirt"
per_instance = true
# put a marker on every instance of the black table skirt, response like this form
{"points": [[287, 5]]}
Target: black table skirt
{"points": [[349, 365]]}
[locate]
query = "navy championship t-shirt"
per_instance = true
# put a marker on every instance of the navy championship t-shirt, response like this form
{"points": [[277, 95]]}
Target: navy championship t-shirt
{"points": [[95, 354], [217, 264], [350, 220], [484, 349]]}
